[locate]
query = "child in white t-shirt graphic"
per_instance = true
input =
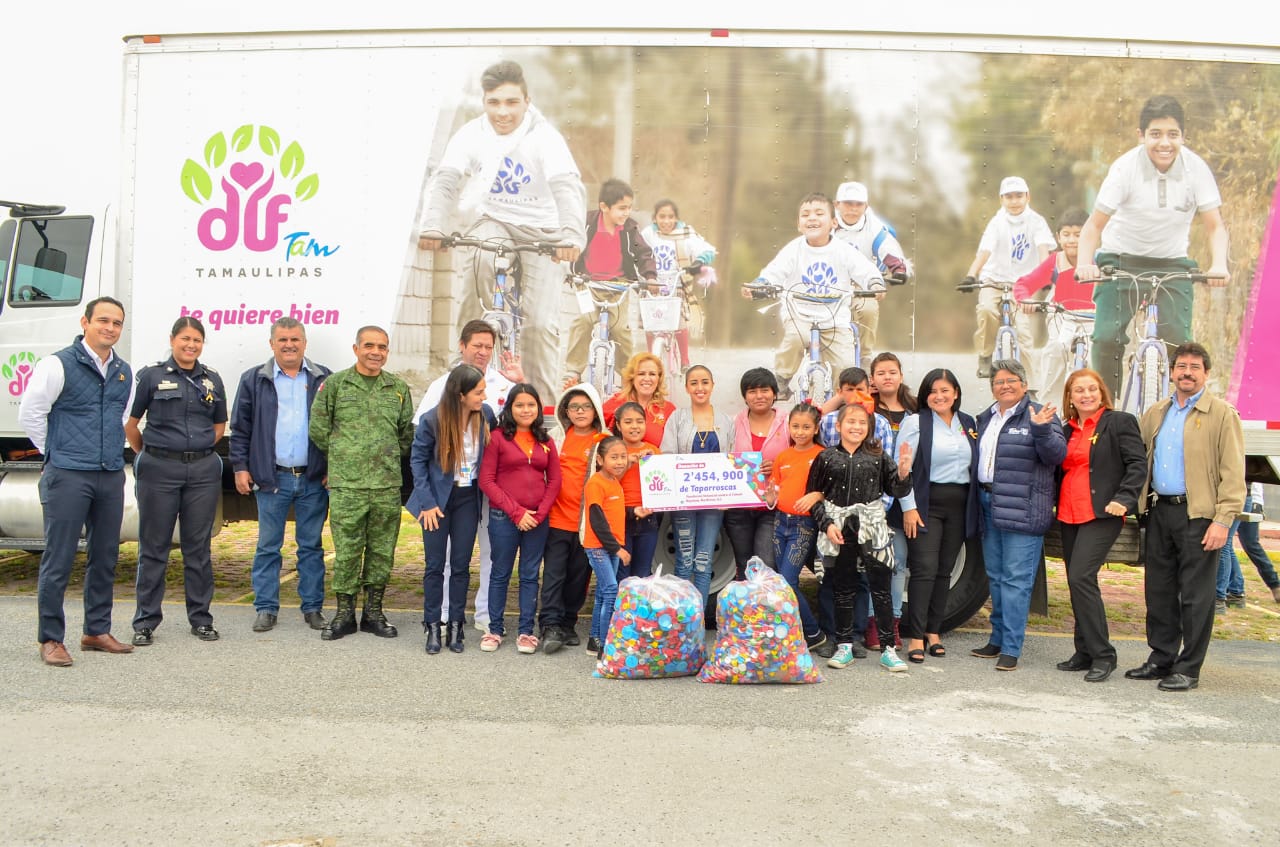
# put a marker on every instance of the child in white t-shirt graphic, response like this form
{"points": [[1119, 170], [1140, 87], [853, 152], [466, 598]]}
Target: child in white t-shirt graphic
{"points": [[1015, 241], [817, 263]]}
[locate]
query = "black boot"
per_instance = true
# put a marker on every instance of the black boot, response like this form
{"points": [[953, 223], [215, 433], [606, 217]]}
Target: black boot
{"points": [[344, 620], [453, 636], [371, 618], [433, 638]]}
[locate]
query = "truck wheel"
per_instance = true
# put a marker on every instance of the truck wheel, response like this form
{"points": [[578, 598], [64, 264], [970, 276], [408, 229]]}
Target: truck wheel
{"points": [[969, 589], [723, 566]]}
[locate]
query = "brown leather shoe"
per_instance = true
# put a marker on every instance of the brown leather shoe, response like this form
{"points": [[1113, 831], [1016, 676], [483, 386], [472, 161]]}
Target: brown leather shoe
{"points": [[55, 653], [106, 642]]}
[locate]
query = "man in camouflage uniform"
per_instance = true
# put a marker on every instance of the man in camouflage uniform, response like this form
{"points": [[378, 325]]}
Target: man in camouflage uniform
{"points": [[362, 419]]}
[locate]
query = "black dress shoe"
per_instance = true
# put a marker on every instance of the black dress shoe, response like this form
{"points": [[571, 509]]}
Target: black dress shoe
{"points": [[205, 633], [433, 638], [1077, 662], [571, 638], [989, 651], [315, 620], [1100, 671], [265, 622], [143, 638], [1179, 682], [1147, 671], [552, 639], [1007, 662]]}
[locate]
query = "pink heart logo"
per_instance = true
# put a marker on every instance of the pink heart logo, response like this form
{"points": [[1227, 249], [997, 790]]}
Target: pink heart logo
{"points": [[246, 175]]}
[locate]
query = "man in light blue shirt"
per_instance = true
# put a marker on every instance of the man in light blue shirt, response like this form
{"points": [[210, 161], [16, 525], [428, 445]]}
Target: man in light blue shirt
{"points": [[1196, 452], [274, 459]]}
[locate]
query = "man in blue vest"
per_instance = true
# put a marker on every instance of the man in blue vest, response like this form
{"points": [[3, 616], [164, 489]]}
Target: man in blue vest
{"points": [[74, 411]]}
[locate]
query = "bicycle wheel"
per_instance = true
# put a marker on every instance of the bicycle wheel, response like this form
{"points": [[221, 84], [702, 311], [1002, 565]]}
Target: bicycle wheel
{"points": [[818, 381], [1006, 344], [1155, 378], [1080, 354], [600, 367]]}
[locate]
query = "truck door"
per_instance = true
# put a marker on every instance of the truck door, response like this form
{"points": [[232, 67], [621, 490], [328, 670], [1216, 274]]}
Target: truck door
{"points": [[43, 261]]}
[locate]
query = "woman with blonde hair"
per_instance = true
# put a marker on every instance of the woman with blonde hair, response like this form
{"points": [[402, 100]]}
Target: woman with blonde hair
{"points": [[644, 381], [1100, 481]]}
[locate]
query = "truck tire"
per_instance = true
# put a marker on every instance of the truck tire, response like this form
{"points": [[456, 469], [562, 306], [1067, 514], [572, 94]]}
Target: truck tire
{"points": [[723, 565], [969, 589]]}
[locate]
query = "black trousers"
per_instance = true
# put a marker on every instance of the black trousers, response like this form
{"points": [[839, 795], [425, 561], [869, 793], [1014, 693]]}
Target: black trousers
{"points": [[1180, 587], [72, 501], [842, 571], [1084, 548], [185, 493], [932, 555], [751, 534], [565, 575]]}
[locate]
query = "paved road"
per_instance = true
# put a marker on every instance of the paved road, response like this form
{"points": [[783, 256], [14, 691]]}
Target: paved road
{"points": [[265, 739]]}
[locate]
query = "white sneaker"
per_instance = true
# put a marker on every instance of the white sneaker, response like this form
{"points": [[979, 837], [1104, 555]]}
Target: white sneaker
{"points": [[482, 624], [889, 661]]}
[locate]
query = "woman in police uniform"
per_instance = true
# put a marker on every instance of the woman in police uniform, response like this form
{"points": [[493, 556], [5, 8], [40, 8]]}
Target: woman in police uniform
{"points": [[179, 477]]}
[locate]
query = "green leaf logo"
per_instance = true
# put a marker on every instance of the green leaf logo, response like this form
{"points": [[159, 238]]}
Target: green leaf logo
{"points": [[242, 138], [291, 160], [196, 183], [6, 371], [215, 150], [308, 187], [268, 140]]}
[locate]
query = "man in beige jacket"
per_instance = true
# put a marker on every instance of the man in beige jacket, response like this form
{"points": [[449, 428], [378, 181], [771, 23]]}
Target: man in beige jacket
{"points": [[1195, 488]]}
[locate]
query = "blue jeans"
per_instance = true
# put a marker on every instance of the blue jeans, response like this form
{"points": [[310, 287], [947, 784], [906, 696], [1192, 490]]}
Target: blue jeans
{"points": [[793, 540], [605, 566], [505, 540], [1230, 579], [642, 541], [310, 501], [1012, 559], [696, 535], [456, 534]]}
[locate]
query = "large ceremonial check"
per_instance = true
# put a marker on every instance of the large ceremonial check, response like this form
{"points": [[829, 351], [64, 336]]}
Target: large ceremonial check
{"points": [[675, 481]]}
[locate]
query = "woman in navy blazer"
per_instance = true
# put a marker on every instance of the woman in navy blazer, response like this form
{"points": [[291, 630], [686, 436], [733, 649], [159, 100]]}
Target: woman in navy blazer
{"points": [[942, 510], [1099, 483], [446, 500]]}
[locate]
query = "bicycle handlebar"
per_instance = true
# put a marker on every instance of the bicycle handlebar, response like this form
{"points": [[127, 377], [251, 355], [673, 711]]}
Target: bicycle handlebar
{"points": [[769, 291], [1110, 272], [1052, 308], [969, 285], [494, 245]]}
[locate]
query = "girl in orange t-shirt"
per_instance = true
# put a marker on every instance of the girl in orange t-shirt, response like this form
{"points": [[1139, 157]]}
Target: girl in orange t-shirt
{"points": [[794, 530], [642, 524], [604, 533]]}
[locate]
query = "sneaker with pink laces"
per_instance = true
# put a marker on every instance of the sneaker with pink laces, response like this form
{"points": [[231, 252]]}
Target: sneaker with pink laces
{"points": [[526, 643], [490, 642]]}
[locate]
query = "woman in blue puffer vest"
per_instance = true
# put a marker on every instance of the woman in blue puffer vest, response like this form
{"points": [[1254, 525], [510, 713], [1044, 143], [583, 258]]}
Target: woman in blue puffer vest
{"points": [[1020, 445]]}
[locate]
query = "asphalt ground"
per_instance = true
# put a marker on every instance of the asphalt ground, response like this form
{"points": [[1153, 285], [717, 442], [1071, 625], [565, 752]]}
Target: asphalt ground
{"points": [[280, 738]]}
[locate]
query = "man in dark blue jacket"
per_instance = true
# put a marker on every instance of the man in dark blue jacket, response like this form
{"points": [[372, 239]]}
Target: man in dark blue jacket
{"points": [[1020, 445], [273, 458]]}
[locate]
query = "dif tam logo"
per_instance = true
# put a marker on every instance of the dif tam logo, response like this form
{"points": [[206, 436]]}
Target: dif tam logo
{"points": [[258, 180]]}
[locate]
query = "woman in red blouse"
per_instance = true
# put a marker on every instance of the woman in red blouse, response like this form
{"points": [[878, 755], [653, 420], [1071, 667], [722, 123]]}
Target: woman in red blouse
{"points": [[1101, 479]]}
